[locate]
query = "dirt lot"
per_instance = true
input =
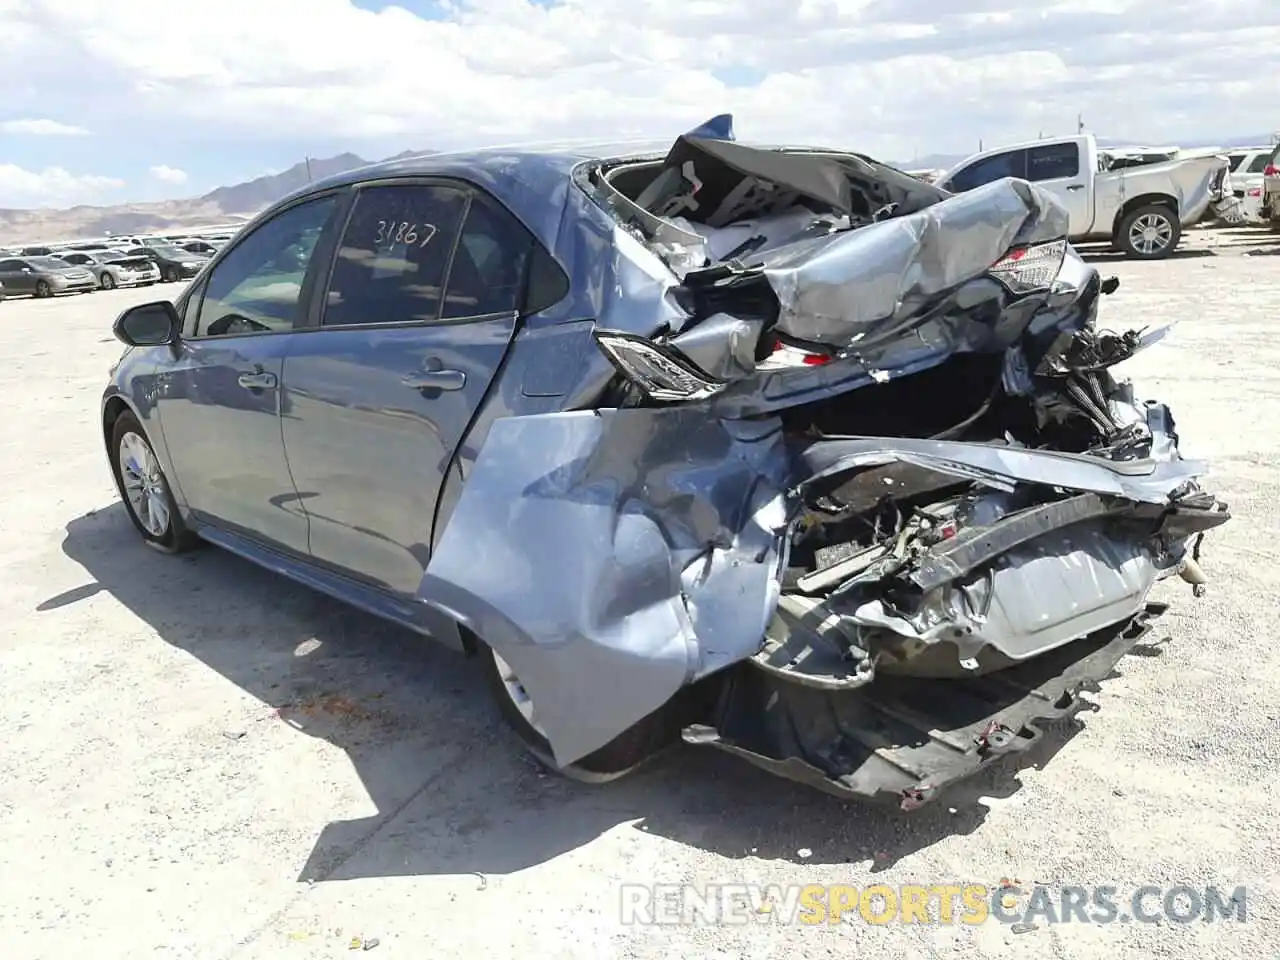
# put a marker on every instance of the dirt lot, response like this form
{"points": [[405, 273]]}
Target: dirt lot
{"points": [[204, 760]]}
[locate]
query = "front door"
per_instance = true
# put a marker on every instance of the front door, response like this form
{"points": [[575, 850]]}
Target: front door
{"points": [[220, 398], [417, 317], [1059, 169], [17, 277]]}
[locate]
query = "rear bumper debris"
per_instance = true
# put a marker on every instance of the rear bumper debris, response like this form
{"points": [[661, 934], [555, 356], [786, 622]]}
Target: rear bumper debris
{"points": [[906, 740]]}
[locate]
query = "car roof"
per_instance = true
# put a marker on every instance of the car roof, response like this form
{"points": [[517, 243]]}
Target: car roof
{"points": [[522, 161]]}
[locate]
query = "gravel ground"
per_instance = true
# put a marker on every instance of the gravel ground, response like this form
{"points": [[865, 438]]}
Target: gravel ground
{"points": [[204, 760]]}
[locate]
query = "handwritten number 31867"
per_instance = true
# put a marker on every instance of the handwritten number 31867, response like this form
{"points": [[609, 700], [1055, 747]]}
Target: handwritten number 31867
{"points": [[393, 232]]}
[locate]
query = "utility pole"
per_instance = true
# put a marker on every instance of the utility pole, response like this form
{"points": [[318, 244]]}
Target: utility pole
{"points": [[979, 144], [308, 162], [1079, 123]]}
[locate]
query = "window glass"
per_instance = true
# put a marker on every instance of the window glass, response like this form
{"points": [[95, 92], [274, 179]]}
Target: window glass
{"points": [[1053, 161], [395, 250], [1259, 163], [191, 309], [1010, 164], [11, 265], [1234, 159], [488, 271], [258, 286]]}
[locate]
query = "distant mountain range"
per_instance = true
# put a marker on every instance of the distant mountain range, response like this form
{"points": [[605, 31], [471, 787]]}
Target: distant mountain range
{"points": [[222, 205], [242, 200]]}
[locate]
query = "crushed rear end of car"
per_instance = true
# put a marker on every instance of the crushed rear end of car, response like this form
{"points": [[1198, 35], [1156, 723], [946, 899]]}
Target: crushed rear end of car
{"points": [[863, 476]]}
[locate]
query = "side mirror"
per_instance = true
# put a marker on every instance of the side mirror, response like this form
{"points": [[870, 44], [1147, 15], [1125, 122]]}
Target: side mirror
{"points": [[26, 269], [148, 325]]}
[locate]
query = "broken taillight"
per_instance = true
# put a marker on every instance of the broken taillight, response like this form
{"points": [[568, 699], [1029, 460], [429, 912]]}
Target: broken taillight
{"points": [[659, 372], [1271, 171], [1030, 268], [787, 355]]}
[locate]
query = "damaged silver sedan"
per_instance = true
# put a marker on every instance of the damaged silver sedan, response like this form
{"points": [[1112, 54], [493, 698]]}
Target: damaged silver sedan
{"points": [[776, 450]]}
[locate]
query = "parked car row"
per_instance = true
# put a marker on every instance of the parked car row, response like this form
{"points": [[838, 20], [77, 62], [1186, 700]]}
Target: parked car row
{"points": [[48, 270], [81, 271]]}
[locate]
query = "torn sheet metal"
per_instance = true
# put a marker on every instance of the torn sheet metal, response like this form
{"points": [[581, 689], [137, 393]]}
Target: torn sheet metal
{"points": [[612, 557], [859, 286], [1001, 467]]}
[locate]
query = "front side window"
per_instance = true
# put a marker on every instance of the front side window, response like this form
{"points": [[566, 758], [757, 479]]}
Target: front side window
{"points": [[1053, 162], [258, 286], [1259, 163], [1012, 163], [394, 255]]}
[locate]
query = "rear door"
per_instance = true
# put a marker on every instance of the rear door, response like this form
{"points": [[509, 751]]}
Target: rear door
{"points": [[415, 321]]}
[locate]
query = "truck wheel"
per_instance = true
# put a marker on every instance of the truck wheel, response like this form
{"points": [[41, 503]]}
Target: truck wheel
{"points": [[615, 759], [1149, 233]]}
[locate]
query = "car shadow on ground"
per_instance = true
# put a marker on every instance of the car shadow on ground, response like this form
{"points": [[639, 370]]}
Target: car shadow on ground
{"points": [[1108, 255], [454, 791]]}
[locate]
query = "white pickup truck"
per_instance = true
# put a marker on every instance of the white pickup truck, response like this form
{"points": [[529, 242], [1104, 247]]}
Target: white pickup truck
{"points": [[1140, 208]]}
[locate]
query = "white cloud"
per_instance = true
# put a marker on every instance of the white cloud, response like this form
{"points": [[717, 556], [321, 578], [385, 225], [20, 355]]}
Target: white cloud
{"points": [[51, 187], [883, 76], [41, 128], [167, 174]]}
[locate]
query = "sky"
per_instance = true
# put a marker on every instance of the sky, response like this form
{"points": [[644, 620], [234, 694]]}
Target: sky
{"points": [[106, 102]]}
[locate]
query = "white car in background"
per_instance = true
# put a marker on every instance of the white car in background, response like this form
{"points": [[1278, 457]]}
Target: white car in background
{"points": [[1271, 189], [1248, 165]]}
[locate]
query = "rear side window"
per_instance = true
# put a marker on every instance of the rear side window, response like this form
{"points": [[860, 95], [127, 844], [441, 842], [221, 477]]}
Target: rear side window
{"points": [[490, 264], [394, 255], [1053, 161], [996, 167]]}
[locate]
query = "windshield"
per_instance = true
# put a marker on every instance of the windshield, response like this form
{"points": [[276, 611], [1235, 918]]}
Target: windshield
{"points": [[176, 253], [48, 263]]}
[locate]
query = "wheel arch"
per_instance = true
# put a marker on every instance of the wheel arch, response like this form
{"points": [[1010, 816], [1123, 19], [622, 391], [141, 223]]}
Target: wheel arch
{"points": [[1143, 200], [112, 408]]}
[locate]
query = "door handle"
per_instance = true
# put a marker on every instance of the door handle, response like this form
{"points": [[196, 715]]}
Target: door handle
{"points": [[257, 381], [1076, 186], [435, 380]]}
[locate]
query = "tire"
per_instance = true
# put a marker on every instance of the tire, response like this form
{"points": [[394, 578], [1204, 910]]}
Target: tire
{"points": [[629, 750], [170, 275], [107, 281], [43, 289], [169, 536], [1162, 232]]}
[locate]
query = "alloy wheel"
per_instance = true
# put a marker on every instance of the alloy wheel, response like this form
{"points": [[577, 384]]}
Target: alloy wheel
{"points": [[143, 483], [1150, 233]]}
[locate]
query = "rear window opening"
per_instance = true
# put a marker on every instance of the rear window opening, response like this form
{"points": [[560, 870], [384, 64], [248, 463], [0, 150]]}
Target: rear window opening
{"points": [[711, 201]]}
